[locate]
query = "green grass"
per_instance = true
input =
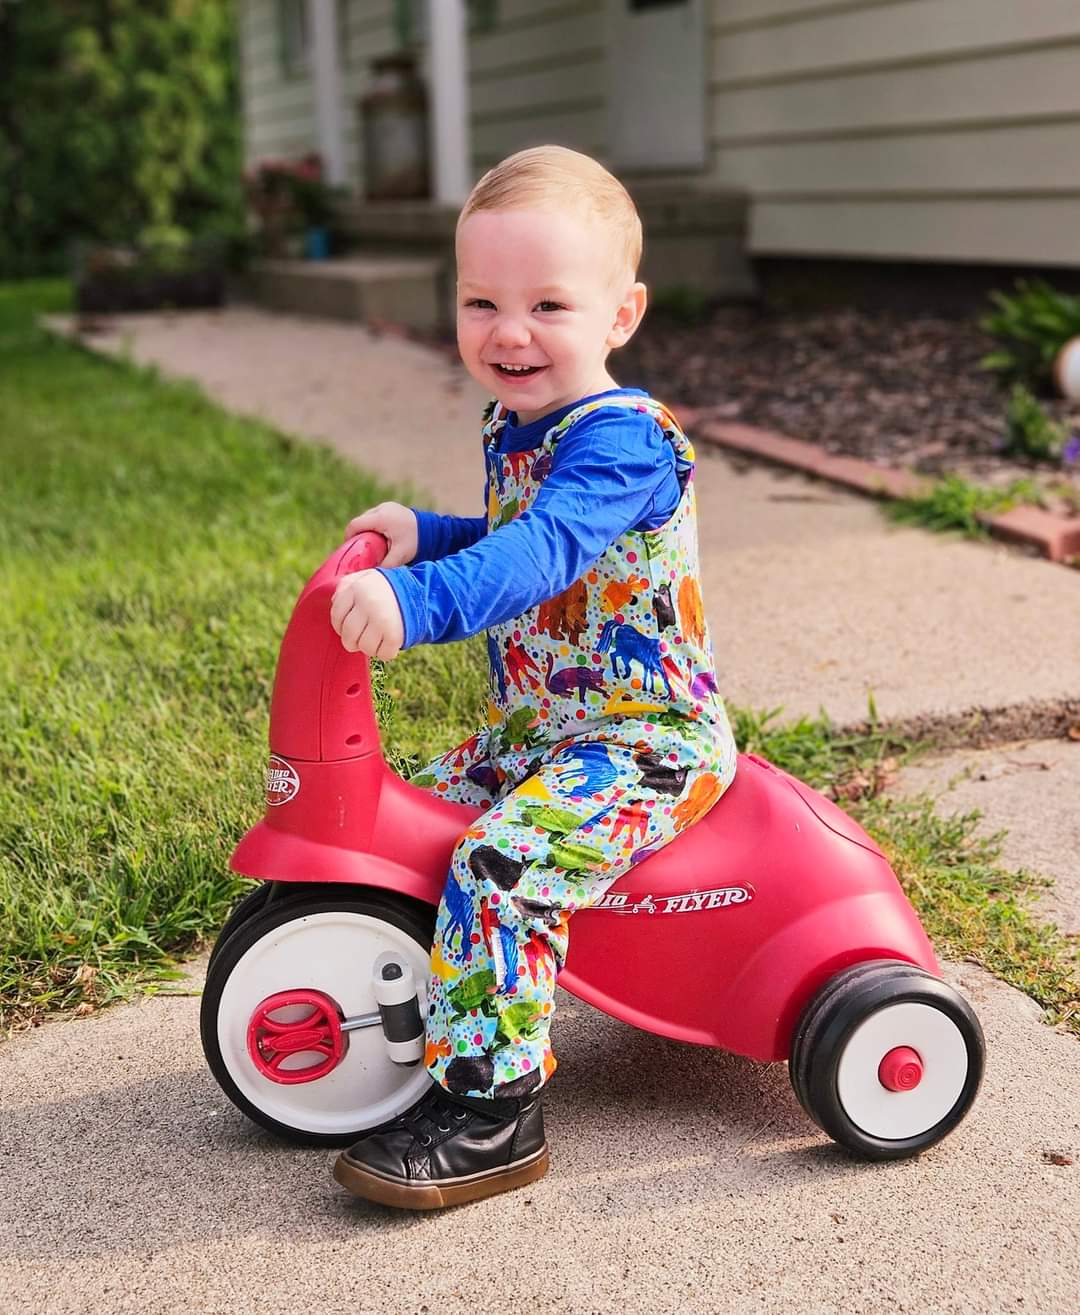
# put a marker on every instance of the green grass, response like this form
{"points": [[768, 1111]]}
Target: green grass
{"points": [[151, 549], [953, 503]]}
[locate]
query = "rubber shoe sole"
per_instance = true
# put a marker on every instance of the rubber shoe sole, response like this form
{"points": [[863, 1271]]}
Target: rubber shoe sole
{"points": [[448, 1191]]}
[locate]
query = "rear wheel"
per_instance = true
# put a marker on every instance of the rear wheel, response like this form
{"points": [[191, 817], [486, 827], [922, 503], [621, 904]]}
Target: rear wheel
{"points": [[321, 950], [887, 1059]]}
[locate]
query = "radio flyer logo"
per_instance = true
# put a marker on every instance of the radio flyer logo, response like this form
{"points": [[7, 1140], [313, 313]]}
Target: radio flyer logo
{"points": [[282, 782], [697, 901]]}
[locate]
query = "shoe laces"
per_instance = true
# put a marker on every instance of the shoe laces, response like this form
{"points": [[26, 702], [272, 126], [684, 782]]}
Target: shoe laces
{"points": [[431, 1115]]}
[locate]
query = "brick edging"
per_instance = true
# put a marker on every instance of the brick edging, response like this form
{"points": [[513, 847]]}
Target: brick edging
{"points": [[1055, 537]]}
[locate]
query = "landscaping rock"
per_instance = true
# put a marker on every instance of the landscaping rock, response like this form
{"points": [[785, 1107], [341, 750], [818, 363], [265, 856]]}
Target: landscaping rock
{"points": [[885, 386]]}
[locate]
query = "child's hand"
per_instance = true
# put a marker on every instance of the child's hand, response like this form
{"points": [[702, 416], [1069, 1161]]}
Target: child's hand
{"points": [[365, 613], [397, 525]]}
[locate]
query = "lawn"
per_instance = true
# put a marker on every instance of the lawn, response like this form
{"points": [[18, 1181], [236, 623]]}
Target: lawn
{"points": [[151, 549]]}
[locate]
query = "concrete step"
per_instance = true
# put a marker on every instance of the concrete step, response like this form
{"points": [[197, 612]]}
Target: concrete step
{"points": [[695, 236], [407, 290]]}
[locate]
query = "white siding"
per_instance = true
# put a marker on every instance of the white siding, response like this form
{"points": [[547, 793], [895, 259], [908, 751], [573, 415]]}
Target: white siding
{"points": [[369, 33], [926, 129], [279, 115], [1034, 230], [538, 77], [279, 112], [932, 129]]}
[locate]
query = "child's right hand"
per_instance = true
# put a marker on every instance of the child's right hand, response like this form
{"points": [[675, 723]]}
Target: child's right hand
{"points": [[397, 525]]}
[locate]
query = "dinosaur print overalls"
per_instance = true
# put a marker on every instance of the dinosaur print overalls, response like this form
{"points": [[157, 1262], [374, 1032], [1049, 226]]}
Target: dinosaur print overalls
{"points": [[606, 737]]}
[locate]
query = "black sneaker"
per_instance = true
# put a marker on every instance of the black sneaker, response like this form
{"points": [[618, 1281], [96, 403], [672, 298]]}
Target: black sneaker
{"points": [[445, 1150]]}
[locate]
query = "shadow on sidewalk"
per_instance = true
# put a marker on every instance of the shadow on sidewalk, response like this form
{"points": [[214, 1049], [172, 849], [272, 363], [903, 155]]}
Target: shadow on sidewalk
{"points": [[153, 1164]]}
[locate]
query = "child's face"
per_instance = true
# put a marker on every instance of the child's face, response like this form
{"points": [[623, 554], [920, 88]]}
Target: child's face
{"points": [[536, 288]]}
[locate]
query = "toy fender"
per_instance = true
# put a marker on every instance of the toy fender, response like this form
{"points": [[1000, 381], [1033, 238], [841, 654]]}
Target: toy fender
{"points": [[734, 970]]}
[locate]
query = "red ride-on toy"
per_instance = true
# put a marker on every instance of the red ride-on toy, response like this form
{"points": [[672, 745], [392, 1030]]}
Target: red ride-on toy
{"points": [[773, 928]]}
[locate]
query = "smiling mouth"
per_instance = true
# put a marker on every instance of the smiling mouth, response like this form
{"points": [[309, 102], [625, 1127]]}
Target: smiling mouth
{"points": [[517, 371]]}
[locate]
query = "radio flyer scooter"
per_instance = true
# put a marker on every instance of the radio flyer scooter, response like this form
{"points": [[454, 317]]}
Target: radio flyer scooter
{"points": [[773, 928]]}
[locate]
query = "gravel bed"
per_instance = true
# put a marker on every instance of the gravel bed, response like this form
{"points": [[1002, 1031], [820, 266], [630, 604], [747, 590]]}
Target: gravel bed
{"points": [[893, 389]]}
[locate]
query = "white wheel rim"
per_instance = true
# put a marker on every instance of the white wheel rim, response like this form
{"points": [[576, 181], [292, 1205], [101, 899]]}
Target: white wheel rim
{"points": [[333, 953], [898, 1115]]}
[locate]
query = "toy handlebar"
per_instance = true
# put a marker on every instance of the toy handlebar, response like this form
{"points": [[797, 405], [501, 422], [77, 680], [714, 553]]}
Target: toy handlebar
{"points": [[315, 711], [364, 550]]}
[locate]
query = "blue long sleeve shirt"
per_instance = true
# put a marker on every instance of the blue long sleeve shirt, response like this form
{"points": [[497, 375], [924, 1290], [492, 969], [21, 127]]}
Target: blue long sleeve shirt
{"points": [[612, 471]]}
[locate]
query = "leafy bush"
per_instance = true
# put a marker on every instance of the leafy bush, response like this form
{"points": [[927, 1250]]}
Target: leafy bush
{"points": [[1032, 326], [288, 196], [119, 123]]}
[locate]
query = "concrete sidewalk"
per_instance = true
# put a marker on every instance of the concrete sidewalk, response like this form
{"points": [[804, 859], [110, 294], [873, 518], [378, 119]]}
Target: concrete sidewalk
{"points": [[815, 600], [683, 1179], [1028, 789]]}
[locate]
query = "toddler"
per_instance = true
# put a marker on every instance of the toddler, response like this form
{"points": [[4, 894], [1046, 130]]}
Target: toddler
{"points": [[606, 736]]}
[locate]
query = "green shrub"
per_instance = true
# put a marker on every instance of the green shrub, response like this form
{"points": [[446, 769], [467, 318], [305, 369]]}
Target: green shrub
{"points": [[1029, 431], [119, 122], [1032, 327]]}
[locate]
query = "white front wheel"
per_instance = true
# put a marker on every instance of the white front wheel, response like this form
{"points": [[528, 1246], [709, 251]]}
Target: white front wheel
{"points": [[286, 1065]]}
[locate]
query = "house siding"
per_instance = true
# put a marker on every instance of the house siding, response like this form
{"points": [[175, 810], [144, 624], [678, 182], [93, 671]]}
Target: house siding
{"points": [[279, 112], [901, 129], [538, 77], [279, 108], [885, 129]]}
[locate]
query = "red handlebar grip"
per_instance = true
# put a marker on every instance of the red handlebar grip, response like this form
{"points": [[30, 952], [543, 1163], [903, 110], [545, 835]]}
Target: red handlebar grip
{"points": [[368, 549], [314, 713]]}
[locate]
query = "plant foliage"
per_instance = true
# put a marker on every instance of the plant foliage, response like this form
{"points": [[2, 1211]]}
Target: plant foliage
{"points": [[953, 503], [288, 196], [118, 123], [1032, 327], [1029, 431]]}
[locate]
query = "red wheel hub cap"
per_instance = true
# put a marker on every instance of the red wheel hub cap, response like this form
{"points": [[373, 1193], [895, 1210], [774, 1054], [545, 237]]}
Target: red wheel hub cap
{"points": [[317, 1032], [900, 1070]]}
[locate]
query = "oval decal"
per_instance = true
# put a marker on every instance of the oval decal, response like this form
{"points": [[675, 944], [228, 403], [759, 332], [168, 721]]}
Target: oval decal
{"points": [[282, 782]]}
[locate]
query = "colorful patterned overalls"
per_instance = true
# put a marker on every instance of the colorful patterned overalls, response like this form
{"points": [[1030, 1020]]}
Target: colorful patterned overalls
{"points": [[606, 738]]}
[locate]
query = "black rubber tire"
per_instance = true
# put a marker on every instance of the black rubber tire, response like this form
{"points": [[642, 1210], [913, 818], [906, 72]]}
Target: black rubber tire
{"points": [[250, 903], [801, 1054], [827, 1024], [263, 895], [415, 919]]}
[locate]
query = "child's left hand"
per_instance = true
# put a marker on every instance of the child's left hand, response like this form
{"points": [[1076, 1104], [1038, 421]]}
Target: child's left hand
{"points": [[365, 613]]}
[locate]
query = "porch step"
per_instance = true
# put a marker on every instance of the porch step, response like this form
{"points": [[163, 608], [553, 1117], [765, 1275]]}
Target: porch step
{"points": [[695, 234], [408, 290]]}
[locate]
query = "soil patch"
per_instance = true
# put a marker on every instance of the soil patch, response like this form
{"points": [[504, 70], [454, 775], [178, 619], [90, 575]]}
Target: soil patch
{"points": [[894, 389]]}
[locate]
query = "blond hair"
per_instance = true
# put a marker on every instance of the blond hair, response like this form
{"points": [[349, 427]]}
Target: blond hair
{"points": [[546, 175]]}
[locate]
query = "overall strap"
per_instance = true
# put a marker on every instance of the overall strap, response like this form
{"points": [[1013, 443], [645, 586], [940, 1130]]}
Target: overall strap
{"points": [[494, 420], [495, 417], [656, 409], [672, 430]]}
